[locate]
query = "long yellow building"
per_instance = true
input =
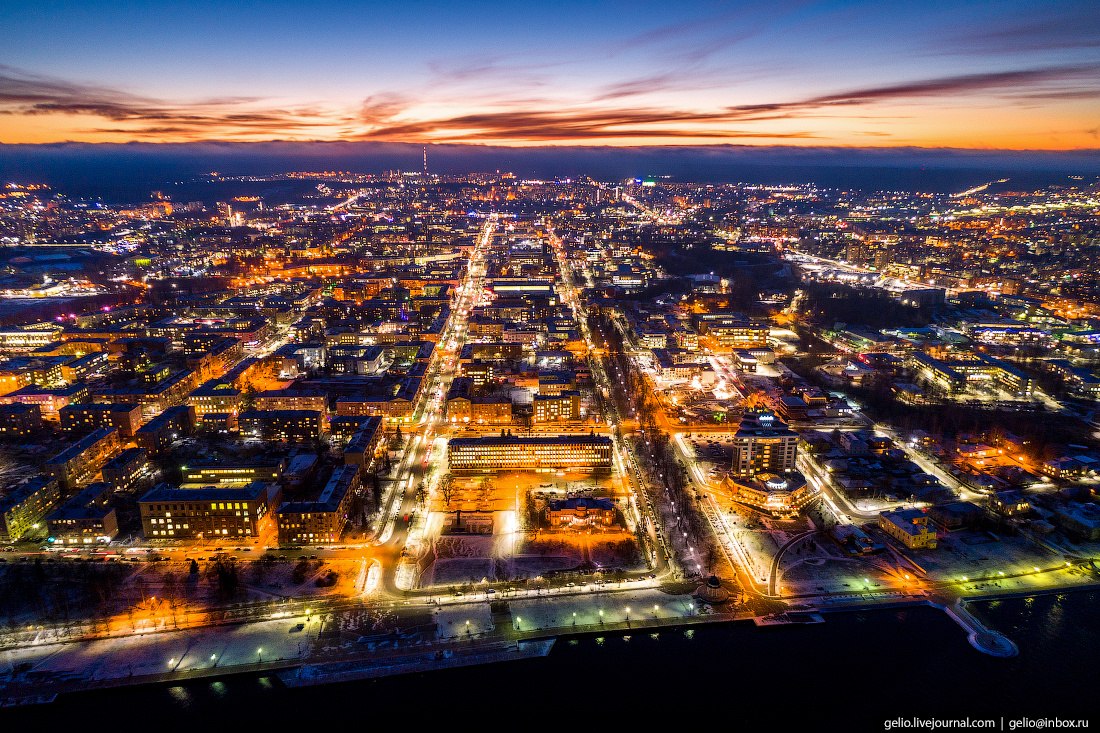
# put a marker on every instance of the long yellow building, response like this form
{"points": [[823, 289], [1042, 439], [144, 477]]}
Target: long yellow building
{"points": [[514, 453]]}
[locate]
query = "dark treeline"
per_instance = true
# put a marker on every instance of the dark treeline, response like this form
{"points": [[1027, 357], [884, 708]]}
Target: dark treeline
{"points": [[48, 309], [1047, 434], [829, 303], [58, 593]]}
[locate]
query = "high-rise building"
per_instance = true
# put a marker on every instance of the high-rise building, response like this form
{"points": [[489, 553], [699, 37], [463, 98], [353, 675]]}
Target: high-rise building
{"points": [[763, 444], [763, 473]]}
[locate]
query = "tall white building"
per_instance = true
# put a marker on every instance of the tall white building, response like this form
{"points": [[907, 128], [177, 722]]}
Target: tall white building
{"points": [[763, 444]]}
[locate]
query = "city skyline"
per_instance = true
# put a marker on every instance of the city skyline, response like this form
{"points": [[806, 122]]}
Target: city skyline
{"points": [[724, 351], [982, 75], [314, 423]]}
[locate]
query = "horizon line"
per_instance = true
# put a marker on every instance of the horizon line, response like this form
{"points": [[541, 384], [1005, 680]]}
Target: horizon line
{"points": [[551, 146]]}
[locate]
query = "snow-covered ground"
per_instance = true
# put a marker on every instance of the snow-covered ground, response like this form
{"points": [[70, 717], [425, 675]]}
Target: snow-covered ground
{"points": [[155, 653], [462, 620], [557, 613]]}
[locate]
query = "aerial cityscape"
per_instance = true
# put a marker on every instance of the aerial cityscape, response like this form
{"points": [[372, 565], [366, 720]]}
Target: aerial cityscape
{"points": [[294, 420]]}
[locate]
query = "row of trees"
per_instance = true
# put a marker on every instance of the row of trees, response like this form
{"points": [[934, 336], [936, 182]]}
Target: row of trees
{"points": [[630, 390], [690, 537], [59, 593]]}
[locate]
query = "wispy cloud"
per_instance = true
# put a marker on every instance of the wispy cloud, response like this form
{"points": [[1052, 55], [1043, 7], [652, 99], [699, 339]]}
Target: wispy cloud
{"points": [[687, 46], [525, 118], [143, 117], [1053, 29], [664, 81], [572, 125], [480, 68], [950, 85], [1058, 82], [381, 108], [588, 123], [697, 38]]}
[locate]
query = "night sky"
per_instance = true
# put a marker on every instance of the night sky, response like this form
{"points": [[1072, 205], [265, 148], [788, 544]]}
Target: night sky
{"points": [[1010, 74]]}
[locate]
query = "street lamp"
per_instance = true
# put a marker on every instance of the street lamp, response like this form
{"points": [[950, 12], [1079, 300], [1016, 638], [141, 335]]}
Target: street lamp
{"points": [[260, 655]]}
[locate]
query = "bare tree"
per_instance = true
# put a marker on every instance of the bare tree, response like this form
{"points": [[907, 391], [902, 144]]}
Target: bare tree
{"points": [[447, 491]]}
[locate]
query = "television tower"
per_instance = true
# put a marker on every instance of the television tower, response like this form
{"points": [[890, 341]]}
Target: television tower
{"points": [[424, 191]]}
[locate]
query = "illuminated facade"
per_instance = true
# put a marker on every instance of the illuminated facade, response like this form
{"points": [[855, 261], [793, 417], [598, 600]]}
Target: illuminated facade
{"points": [[85, 519], [214, 398], [84, 366], [581, 512], [158, 434], [482, 410], [28, 339], [782, 496], [86, 416], [49, 400], [397, 409], [171, 513], [25, 506], [153, 398], [291, 426], [124, 470], [763, 443], [555, 383], [286, 400], [19, 420], [230, 473], [910, 527], [82, 460], [562, 407], [343, 428], [395, 406], [321, 520], [965, 369], [367, 445], [514, 453], [724, 333]]}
